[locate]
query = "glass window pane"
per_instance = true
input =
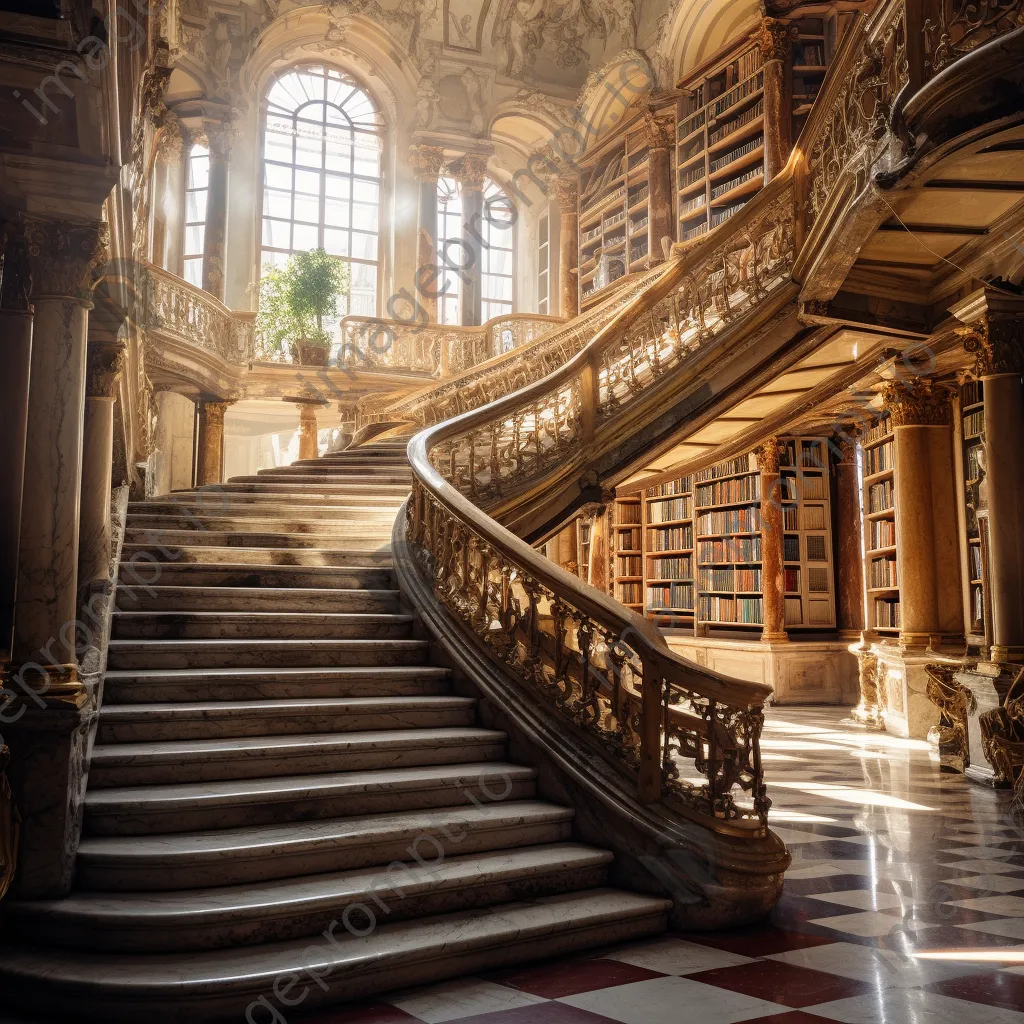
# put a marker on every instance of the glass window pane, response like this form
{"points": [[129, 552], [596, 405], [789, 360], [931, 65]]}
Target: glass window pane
{"points": [[309, 152], [305, 237], [278, 147], [364, 216], [307, 208], [277, 233], [499, 261], [194, 239], [336, 213], [198, 172], [338, 187], [194, 272], [364, 246], [195, 207], [365, 191], [277, 204], [307, 181], [278, 176], [336, 241]]}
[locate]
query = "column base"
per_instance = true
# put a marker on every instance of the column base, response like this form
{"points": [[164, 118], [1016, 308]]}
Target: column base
{"points": [[870, 716], [54, 685], [1000, 654], [775, 638]]}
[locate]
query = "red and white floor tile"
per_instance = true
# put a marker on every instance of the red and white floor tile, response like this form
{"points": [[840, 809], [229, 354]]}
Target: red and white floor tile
{"points": [[892, 861]]}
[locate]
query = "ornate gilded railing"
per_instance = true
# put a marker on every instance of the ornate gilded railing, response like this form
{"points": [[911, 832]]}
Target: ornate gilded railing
{"points": [[956, 27], [435, 349], [184, 313]]}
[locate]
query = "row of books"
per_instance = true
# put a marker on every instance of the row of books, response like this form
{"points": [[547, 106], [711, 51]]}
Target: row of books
{"points": [[734, 124], [883, 428], [721, 215], [696, 203], [630, 565], [729, 184], [638, 195], [974, 423], [678, 596], [809, 55], [691, 175], [678, 567], [878, 460], [721, 492], [972, 392], [696, 231], [670, 511], [974, 560], [629, 512], [747, 610], [691, 149], [974, 462], [637, 158], [808, 487], [680, 486], [638, 251], [881, 534], [977, 608], [631, 593], [750, 84], [732, 467], [730, 549], [733, 520], [638, 223], [734, 154], [671, 538], [882, 573], [629, 538], [887, 614], [881, 496]]}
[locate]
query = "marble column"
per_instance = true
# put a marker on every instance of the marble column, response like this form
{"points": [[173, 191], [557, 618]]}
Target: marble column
{"points": [[850, 551], [996, 337], [772, 575], [927, 542], [210, 449], [773, 39], [219, 137], [597, 568], [427, 162], [102, 371], [567, 549], [470, 172], [168, 200], [309, 447], [658, 137], [63, 255], [15, 362], [566, 191]]}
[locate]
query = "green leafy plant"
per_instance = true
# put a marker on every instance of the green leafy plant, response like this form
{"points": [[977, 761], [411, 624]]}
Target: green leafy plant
{"points": [[296, 299]]}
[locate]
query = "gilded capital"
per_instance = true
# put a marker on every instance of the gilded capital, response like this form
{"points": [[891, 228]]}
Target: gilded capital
{"points": [[171, 142], [426, 161], [64, 255], [213, 413], [567, 193], [767, 455], [102, 369], [997, 344], [772, 38], [469, 171], [220, 137], [917, 403], [656, 134]]}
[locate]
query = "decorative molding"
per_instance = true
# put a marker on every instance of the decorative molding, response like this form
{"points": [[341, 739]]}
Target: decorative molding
{"points": [[657, 134], [567, 194], [64, 255], [919, 403], [768, 456], [103, 366], [426, 161], [773, 39], [997, 344], [469, 171]]}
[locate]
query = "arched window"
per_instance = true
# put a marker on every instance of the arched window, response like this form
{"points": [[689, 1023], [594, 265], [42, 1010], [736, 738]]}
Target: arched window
{"points": [[196, 188], [496, 255], [322, 149]]}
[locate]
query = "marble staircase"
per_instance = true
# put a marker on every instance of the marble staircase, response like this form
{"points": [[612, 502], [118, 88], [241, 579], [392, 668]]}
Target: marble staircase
{"points": [[282, 785]]}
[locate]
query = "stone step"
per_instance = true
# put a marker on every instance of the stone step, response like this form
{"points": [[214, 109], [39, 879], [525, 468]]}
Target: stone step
{"points": [[125, 654], [195, 860], [156, 686], [289, 908], [353, 520], [262, 757], [259, 625], [227, 984], [328, 487], [198, 806], [143, 723], [145, 574], [374, 554], [185, 502], [173, 540], [255, 599], [302, 475]]}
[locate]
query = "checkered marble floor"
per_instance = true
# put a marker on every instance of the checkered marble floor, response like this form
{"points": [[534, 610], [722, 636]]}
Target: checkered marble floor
{"points": [[891, 859]]}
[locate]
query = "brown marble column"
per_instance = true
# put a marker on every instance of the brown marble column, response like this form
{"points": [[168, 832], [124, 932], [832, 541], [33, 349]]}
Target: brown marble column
{"points": [[308, 433], [567, 549], [597, 568], [772, 576], [927, 543], [219, 138], [850, 553], [773, 39], [996, 337], [103, 368], [566, 191], [427, 162], [210, 458], [15, 363], [659, 175], [470, 172]]}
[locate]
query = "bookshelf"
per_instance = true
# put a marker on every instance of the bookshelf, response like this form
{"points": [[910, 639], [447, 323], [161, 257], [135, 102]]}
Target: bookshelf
{"points": [[881, 573], [614, 214], [628, 547], [669, 558], [972, 429], [809, 599]]}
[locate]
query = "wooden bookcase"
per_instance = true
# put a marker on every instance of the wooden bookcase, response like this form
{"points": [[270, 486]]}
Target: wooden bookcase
{"points": [[669, 555], [880, 568], [972, 428], [614, 213], [628, 548]]}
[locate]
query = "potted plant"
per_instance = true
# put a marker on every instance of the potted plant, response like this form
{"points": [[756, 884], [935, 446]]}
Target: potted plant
{"points": [[294, 302]]}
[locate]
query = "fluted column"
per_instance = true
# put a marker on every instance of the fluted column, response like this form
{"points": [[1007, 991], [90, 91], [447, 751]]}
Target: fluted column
{"points": [[426, 162], [103, 367], [63, 255], [168, 200], [927, 544], [309, 447], [659, 176], [996, 337], [219, 138], [470, 172], [210, 458], [850, 560], [566, 191], [773, 39], [772, 574], [15, 363]]}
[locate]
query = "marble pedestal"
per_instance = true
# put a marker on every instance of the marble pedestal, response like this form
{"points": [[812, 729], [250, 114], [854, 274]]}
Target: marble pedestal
{"points": [[902, 685]]}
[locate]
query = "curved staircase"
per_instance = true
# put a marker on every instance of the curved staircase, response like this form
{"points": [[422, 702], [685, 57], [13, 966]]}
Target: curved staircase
{"points": [[283, 780]]}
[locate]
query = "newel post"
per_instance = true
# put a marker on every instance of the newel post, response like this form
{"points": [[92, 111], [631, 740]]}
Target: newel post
{"points": [[649, 778]]}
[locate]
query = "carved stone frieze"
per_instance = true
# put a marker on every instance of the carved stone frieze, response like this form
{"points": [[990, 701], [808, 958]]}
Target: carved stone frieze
{"points": [[64, 255], [918, 403]]}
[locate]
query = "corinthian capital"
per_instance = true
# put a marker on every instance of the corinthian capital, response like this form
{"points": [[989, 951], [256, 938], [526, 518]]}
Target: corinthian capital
{"points": [[426, 161], [64, 254], [102, 369], [469, 171], [656, 134], [920, 402], [993, 332], [566, 192], [220, 137], [772, 39], [767, 455]]}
